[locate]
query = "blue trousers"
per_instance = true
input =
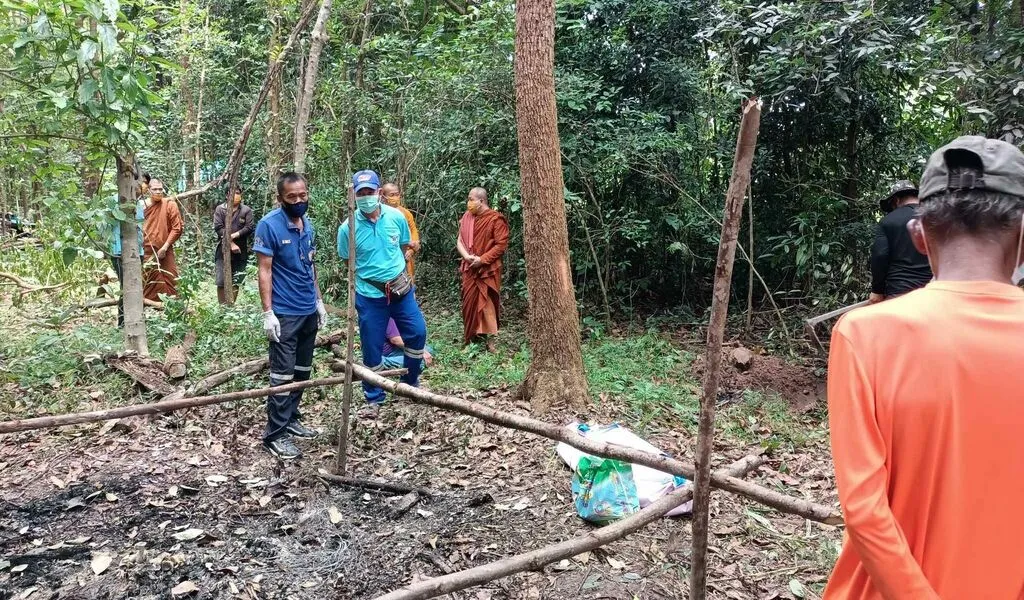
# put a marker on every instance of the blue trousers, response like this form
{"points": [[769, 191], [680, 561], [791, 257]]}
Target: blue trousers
{"points": [[373, 323]]}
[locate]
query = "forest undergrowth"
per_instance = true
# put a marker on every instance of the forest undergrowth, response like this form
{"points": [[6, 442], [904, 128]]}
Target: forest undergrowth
{"points": [[638, 376]]}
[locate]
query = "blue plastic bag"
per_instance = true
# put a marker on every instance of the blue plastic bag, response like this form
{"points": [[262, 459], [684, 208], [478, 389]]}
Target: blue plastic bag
{"points": [[603, 490]]}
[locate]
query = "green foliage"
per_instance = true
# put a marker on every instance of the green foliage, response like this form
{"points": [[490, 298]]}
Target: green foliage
{"points": [[855, 94], [649, 373], [86, 62]]}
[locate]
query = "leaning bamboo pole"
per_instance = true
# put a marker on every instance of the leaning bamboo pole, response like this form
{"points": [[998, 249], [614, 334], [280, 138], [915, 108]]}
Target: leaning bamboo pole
{"points": [[779, 501], [341, 462]]}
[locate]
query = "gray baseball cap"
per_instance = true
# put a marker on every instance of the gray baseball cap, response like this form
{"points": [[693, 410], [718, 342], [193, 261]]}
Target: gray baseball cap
{"points": [[1002, 167], [900, 188]]}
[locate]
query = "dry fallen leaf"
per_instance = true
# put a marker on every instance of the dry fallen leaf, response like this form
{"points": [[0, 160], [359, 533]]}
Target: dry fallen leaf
{"points": [[19, 568], [185, 587], [111, 497], [424, 513], [335, 514], [57, 482], [215, 480], [616, 564], [188, 535], [101, 562], [265, 500]]}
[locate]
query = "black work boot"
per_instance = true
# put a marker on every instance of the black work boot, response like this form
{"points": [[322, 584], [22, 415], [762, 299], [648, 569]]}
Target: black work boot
{"points": [[283, 448], [299, 430]]}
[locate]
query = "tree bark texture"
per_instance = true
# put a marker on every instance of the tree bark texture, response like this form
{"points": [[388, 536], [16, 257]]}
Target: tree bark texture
{"points": [[738, 184], [536, 559], [131, 263], [235, 161], [555, 375], [305, 105]]}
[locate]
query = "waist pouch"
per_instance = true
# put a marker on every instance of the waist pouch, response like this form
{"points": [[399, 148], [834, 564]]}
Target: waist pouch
{"points": [[397, 287]]}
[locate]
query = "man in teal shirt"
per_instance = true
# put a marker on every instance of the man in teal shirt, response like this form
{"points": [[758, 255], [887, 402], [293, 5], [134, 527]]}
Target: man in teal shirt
{"points": [[383, 288]]}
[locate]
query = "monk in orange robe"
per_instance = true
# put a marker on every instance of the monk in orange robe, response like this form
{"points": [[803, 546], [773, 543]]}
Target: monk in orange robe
{"points": [[392, 196], [483, 239], [161, 228]]}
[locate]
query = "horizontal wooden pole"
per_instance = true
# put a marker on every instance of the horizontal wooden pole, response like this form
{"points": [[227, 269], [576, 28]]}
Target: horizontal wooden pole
{"points": [[154, 408], [779, 501], [536, 559]]}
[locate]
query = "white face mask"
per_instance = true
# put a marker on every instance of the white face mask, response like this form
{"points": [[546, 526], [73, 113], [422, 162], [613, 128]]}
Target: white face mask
{"points": [[1018, 273]]}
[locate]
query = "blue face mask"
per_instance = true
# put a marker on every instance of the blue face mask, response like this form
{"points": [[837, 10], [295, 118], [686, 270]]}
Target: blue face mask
{"points": [[368, 204], [295, 211]]}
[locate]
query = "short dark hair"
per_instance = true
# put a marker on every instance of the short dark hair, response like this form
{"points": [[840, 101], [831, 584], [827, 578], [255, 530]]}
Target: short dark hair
{"points": [[970, 211], [286, 178], [146, 178]]}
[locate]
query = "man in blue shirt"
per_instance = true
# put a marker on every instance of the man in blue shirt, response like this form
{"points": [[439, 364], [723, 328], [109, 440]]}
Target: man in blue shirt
{"points": [[293, 309], [383, 287]]}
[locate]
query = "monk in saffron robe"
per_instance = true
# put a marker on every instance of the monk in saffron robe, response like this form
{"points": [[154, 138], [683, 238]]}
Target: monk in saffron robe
{"points": [[483, 239], [392, 196], [161, 228]]}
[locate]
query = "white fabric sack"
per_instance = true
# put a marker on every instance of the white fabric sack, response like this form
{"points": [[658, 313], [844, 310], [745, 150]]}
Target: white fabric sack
{"points": [[651, 484]]}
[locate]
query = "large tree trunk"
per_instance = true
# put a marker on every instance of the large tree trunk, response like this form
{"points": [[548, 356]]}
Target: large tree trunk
{"points": [[556, 372], [131, 262], [305, 105]]}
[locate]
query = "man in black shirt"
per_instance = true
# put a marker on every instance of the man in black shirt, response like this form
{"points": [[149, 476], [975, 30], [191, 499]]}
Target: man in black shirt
{"points": [[896, 266]]}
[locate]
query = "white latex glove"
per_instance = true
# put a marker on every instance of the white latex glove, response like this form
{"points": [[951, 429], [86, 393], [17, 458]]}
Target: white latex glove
{"points": [[271, 326], [321, 312]]}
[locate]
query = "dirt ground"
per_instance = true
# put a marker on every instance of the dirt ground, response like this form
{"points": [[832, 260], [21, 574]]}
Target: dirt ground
{"points": [[765, 372], [189, 506]]}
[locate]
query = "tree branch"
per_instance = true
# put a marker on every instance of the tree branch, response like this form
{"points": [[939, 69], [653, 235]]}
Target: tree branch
{"points": [[781, 502]]}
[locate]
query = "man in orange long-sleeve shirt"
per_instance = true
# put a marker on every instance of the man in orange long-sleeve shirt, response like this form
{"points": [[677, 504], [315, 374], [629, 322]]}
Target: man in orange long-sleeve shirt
{"points": [[925, 399], [161, 228]]}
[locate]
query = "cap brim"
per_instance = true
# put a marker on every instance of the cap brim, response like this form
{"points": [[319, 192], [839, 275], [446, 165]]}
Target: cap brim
{"points": [[366, 184]]}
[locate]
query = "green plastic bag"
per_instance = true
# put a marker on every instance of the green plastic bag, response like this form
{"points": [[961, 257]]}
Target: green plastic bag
{"points": [[603, 490]]}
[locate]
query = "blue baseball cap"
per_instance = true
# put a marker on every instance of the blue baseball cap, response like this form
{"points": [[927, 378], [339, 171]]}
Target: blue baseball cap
{"points": [[365, 179]]}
